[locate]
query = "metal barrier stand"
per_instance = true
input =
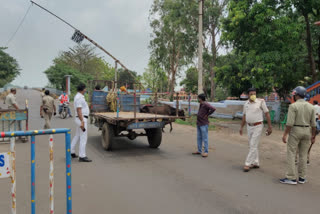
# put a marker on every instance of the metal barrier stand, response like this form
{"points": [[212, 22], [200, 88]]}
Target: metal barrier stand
{"points": [[12, 136]]}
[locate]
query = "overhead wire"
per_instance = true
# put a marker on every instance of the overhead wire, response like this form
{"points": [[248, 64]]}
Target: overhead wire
{"points": [[19, 26]]}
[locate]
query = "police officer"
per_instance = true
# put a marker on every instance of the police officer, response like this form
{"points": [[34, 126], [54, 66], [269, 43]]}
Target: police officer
{"points": [[47, 108], [11, 99], [42, 94], [253, 111], [301, 127], [82, 114]]}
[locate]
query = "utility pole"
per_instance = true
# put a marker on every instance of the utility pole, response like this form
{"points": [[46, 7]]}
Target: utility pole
{"points": [[116, 75], [200, 61]]}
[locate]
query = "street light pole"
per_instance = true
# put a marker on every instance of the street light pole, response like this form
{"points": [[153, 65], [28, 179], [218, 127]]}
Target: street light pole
{"points": [[200, 61]]}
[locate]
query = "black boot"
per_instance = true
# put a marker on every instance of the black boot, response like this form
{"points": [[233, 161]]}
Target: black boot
{"points": [[73, 155], [85, 159]]}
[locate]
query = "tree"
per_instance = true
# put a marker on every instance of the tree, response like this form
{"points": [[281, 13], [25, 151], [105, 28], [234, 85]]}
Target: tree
{"points": [[309, 8], [190, 82], [174, 39], [213, 12], [56, 76], [82, 63], [9, 68], [266, 37], [154, 78]]}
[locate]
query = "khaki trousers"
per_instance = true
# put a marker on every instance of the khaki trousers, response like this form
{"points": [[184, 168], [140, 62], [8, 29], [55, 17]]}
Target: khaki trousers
{"points": [[299, 138], [254, 134], [47, 118]]}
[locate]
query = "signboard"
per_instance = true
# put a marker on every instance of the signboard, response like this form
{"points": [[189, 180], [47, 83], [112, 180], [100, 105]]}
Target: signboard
{"points": [[5, 165], [13, 115], [77, 37]]}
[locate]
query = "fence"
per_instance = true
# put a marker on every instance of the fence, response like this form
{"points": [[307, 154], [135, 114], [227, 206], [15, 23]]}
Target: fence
{"points": [[11, 120], [8, 169]]}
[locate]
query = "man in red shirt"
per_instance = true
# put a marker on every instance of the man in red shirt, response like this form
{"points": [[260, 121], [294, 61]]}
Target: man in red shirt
{"points": [[205, 110], [64, 98]]}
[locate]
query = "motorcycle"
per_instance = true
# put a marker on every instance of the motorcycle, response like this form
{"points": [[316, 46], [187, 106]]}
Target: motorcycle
{"points": [[64, 110]]}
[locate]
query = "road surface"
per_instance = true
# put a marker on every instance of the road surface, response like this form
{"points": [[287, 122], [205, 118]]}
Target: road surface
{"points": [[133, 179]]}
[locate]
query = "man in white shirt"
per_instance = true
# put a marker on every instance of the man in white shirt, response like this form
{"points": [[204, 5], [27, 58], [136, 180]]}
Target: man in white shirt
{"points": [[253, 111], [317, 110], [81, 119]]}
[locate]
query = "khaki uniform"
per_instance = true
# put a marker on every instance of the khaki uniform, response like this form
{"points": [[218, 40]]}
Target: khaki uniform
{"points": [[301, 116], [11, 100], [47, 110], [254, 114]]}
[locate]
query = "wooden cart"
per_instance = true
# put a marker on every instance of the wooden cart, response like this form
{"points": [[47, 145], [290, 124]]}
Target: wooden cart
{"points": [[126, 124]]}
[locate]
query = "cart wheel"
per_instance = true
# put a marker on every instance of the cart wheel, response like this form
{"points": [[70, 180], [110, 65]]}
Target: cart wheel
{"points": [[107, 136], [154, 137]]}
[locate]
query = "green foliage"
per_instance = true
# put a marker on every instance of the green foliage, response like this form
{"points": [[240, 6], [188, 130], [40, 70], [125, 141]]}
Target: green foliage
{"points": [[268, 52], [9, 68], [174, 37], [56, 76], [155, 78], [82, 63], [190, 82]]}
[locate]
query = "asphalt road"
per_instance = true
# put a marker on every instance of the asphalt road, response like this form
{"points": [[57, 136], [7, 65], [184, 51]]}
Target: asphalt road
{"points": [[133, 179]]}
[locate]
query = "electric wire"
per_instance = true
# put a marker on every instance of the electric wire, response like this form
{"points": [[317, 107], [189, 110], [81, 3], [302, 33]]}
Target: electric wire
{"points": [[14, 34]]}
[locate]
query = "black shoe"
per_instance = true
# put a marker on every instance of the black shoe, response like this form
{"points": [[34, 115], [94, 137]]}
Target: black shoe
{"points": [[85, 159], [70, 115], [73, 155]]}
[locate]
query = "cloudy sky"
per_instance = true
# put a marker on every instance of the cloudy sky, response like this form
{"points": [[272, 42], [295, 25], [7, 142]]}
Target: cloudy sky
{"points": [[120, 26]]}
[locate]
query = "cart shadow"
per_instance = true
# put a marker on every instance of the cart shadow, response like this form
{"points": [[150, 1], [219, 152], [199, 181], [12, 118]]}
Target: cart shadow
{"points": [[125, 147]]}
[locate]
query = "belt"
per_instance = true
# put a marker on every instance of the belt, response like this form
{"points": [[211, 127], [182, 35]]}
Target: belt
{"points": [[254, 124], [301, 126], [84, 116]]}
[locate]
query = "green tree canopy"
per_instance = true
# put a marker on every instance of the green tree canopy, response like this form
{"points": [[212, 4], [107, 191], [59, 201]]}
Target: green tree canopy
{"points": [[174, 40], [9, 68], [82, 63], [268, 50]]}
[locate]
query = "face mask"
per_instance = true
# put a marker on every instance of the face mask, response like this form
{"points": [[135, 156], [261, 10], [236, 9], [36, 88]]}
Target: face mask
{"points": [[253, 97]]}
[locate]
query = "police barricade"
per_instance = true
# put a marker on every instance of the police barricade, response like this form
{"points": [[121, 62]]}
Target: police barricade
{"points": [[12, 120], [8, 166]]}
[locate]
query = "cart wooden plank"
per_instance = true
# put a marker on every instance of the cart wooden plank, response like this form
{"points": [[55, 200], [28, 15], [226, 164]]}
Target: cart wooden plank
{"points": [[130, 116]]}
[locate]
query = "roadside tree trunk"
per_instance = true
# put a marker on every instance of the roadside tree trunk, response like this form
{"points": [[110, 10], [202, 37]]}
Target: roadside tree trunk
{"points": [[309, 46]]}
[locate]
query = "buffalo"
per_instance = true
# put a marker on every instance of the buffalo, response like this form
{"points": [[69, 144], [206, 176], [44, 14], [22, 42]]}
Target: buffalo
{"points": [[163, 110]]}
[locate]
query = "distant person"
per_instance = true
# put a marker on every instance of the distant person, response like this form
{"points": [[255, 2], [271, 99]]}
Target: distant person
{"points": [[97, 88], [64, 99], [42, 94], [48, 108], [82, 114], [301, 127], [317, 111], [205, 110], [11, 99], [253, 111]]}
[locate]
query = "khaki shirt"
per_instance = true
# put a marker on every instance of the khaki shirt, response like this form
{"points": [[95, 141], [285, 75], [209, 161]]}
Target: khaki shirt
{"points": [[254, 110], [48, 102], [11, 100], [301, 113], [42, 94]]}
